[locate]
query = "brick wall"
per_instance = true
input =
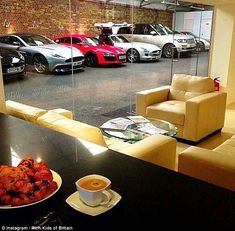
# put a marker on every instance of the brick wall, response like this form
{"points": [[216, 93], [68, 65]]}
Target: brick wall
{"points": [[50, 17]]}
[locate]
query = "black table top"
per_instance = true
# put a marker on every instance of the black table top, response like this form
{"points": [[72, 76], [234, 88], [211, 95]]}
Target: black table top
{"points": [[151, 195]]}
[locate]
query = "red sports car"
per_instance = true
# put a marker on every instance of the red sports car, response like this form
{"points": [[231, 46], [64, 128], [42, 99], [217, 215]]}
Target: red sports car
{"points": [[95, 52]]}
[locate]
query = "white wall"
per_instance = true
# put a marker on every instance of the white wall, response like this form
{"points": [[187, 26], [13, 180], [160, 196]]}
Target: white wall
{"points": [[222, 53], [198, 22]]}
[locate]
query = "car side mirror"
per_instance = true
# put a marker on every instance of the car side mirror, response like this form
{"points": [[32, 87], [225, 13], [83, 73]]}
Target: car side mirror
{"points": [[79, 44]]}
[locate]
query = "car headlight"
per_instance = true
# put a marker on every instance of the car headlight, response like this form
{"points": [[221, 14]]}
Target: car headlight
{"points": [[108, 54], [56, 55], [144, 49], [181, 40]]}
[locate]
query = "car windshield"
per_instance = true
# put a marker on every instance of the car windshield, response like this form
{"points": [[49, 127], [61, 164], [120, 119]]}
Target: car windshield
{"points": [[162, 30], [168, 30], [119, 39], [92, 41], [36, 40]]}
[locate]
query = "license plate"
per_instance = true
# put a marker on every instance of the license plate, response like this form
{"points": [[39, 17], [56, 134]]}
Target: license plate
{"points": [[13, 69], [76, 63], [121, 57]]}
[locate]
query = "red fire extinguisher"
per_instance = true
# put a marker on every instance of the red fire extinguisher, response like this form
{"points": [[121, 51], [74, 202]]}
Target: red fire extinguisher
{"points": [[217, 83]]}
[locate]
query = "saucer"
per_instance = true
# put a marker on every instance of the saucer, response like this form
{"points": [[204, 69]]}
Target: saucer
{"points": [[74, 201]]}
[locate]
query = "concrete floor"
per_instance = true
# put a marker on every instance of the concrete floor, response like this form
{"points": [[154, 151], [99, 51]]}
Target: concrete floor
{"points": [[98, 94]]}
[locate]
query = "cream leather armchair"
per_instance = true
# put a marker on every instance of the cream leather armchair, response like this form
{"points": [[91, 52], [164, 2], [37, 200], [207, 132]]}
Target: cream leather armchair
{"points": [[190, 103]]}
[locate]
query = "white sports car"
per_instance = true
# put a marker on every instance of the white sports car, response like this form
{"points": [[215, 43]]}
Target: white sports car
{"points": [[135, 51]]}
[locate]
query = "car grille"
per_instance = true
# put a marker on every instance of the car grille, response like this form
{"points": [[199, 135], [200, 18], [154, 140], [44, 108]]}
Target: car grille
{"points": [[156, 53], [13, 65], [75, 59], [110, 58], [190, 41]]}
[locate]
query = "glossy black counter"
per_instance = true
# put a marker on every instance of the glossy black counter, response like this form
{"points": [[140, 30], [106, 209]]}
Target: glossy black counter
{"points": [[151, 195]]}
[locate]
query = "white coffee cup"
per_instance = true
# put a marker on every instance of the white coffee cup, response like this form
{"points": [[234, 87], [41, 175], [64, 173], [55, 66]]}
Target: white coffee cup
{"points": [[94, 189]]}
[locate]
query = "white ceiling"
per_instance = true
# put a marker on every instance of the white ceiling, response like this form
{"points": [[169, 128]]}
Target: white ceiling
{"points": [[156, 4]]}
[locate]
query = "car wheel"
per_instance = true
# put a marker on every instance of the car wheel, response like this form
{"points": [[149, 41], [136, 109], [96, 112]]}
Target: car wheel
{"points": [[40, 64], [132, 55], [169, 50], [200, 46], [91, 60]]}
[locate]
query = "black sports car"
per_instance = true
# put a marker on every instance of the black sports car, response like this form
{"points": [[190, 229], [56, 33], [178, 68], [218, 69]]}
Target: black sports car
{"points": [[13, 63]]}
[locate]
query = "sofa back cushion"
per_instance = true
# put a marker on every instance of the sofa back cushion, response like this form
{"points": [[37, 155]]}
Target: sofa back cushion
{"points": [[70, 127], [185, 87], [23, 111]]}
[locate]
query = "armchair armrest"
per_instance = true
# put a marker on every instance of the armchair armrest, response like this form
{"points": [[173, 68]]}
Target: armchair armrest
{"points": [[148, 97], [208, 165], [204, 114], [157, 149]]}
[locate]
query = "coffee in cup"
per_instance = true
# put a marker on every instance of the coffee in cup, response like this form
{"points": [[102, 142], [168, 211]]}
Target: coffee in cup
{"points": [[94, 189]]}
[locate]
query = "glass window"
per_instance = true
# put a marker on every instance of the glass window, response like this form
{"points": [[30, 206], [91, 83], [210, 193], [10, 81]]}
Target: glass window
{"points": [[92, 41], [105, 88], [76, 41]]}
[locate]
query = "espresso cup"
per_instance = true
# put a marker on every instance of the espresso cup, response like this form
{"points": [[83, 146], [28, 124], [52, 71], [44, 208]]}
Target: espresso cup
{"points": [[94, 190]]}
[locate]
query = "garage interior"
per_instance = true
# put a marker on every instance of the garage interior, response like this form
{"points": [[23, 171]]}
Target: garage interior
{"points": [[85, 92]]}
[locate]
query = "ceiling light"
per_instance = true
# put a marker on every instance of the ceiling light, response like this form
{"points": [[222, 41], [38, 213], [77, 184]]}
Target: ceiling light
{"points": [[170, 3], [197, 7]]}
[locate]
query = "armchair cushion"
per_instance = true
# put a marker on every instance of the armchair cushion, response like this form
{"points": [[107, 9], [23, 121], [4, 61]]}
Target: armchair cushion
{"points": [[172, 111], [185, 87]]}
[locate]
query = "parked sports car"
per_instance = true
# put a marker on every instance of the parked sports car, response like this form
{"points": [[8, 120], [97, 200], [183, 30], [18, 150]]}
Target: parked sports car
{"points": [[44, 54], [201, 43], [135, 51], [13, 63], [95, 52]]}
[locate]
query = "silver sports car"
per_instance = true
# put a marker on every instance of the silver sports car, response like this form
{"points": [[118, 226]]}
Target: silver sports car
{"points": [[44, 54]]}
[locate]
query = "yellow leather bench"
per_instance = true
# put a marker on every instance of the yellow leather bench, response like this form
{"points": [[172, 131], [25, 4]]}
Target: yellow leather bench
{"points": [[216, 166], [31, 113], [157, 149]]}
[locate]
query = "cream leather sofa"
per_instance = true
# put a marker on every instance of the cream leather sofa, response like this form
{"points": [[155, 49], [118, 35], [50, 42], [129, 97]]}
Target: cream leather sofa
{"points": [[157, 149], [216, 166], [190, 103]]}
